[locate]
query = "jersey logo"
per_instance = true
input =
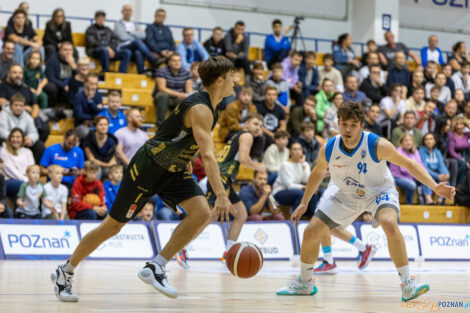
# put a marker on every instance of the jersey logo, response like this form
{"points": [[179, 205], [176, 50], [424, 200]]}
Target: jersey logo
{"points": [[337, 158], [360, 193], [131, 211], [352, 182], [335, 165], [363, 153]]}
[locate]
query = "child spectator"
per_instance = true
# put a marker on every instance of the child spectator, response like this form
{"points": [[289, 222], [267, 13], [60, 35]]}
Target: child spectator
{"points": [[276, 154], [57, 194], [112, 185], [331, 117], [34, 77], [88, 201], [197, 83], [146, 214], [281, 85], [117, 119], [5, 212], [30, 195], [257, 82], [310, 143]]}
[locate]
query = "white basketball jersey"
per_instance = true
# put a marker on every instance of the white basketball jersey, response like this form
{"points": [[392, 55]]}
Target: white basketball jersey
{"points": [[358, 175]]}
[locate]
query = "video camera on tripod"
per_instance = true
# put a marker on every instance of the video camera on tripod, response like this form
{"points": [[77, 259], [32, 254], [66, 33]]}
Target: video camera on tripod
{"points": [[297, 33]]}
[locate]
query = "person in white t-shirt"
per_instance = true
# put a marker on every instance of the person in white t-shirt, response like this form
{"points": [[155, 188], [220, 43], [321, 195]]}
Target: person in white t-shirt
{"points": [[130, 138], [57, 194], [276, 154]]}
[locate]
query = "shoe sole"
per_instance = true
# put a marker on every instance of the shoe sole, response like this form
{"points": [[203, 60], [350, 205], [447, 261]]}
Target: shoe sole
{"points": [[56, 289], [328, 272], [371, 255], [314, 292], [149, 279], [419, 292]]}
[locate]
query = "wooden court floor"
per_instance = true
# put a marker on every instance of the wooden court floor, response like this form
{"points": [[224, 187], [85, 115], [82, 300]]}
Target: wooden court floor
{"points": [[113, 286]]}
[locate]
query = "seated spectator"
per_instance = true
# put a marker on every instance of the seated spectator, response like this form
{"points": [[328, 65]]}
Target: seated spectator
{"points": [[387, 52], [196, 81], [440, 84], [466, 117], [371, 46], [57, 31], [5, 211], [283, 90], [257, 199], [158, 37], [328, 71], [25, 7], [305, 113], [409, 127], [434, 164], [173, 84], [351, 92], [461, 78], [236, 47], [215, 45], [344, 56], [276, 45], [100, 146], [416, 101], [447, 70], [432, 52], [7, 58], [16, 159], [430, 72], [373, 86], [392, 109], [67, 155], [370, 121], [87, 104], [459, 56], [24, 37], [257, 82], [331, 116], [146, 214], [308, 75], [459, 148], [450, 110], [77, 82], [30, 195], [57, 195], [88, 197], [131, 137], [435, 93], [441, 132], [310, 143], [417, 80], [273, 114], [426, 122], [399, 73], [102, 43], [111, 186], [323, 98], [460, 100], [35, 78], [190, 49], [402, 176], [364, 72], [117, 119], [276, 154], [231, 120], [13, 115], [131, 38], [290, 74]]}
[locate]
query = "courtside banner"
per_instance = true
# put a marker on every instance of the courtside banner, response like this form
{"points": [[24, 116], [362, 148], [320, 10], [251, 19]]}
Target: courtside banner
{"points": [[275, 239], [445, 242], [132, 242], [340, 248], [376, 236], [209, 245]]}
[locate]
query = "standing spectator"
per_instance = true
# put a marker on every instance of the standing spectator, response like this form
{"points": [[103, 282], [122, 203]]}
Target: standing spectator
{"points": [[373, 86], [387, 52], [308, 75], [131, 38], [190, 49], [328, 71], [310, 145], [131, 137], [344, 56], [416, 101], [30, 195], [117, 119], [215, 46], [441, 132], [102, 43], [257, 82], [236, 47], [274, 117], [398, 73], [409, 127], [111, 186], [57, 195], [290, 74], [87, 104], [331, 117], [24, 37], [432, 52], [173, 84], [392, 109], [305, 113], [88, 197], [77, 83], [364, 72], [67, 155], [461, 78], [323, 98], [459, 56], [447, 70], [5, 211], [159, 37], [283, 90], [276, 154], [7, 58], [276, 45], [426, 121], [57, 31], [258, 200], [459, 148], [35, 78], [352, 93], [440, 84], [370, 121]]}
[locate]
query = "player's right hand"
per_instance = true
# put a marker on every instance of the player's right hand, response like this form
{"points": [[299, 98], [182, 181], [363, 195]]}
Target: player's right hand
{"points": [[222, 206], [297, 214]]}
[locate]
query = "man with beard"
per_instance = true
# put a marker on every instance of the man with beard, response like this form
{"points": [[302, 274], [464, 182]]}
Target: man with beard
{"points": [[6, 58], [276, 45]]}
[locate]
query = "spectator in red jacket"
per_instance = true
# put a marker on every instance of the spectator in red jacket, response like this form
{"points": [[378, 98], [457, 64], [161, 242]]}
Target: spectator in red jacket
{"points": [[88, 200]]}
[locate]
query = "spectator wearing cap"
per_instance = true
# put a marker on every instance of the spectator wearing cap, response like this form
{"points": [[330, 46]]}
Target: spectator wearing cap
{"points": [[215, 45], [190, 49], [387, 52], [236, 47], [432, 52], [102, 43], [159, 37], [276, 45]]}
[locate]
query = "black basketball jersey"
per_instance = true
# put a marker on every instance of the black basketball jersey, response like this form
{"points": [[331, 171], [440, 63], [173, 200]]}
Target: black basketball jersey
{"points": [[228, 157]]}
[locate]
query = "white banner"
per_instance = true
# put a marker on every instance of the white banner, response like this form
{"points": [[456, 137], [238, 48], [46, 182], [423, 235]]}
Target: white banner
{"points": [[133, 241], [210, 244], [24, 239], [273, 239], [455, 5], [376, 236], [340, 248], [445, 241]]}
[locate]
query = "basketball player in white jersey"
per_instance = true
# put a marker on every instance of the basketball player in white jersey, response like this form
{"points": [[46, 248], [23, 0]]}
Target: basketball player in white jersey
{"points": [[360, 181]]}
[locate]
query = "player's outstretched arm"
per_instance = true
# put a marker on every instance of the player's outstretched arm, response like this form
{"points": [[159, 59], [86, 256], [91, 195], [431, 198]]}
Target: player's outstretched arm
{"points": [[387, 151], [245, 144], [314, 180]]}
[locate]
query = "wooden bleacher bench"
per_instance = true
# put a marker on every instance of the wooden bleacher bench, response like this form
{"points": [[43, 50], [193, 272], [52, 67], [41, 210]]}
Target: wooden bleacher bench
{"points": [[61, 127], [434, 214]]}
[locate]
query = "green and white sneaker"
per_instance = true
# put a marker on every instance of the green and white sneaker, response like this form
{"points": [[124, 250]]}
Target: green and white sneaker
{"points": [[411, 289], [297, 287]]}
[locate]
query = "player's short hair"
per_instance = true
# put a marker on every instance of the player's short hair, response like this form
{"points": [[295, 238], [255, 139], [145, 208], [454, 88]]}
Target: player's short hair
{"points": [[269, 88], [281, 134], [32, 167], [90, 166], [251, 116], [116, 167], [307, 126], [54, 167], [351, 110], [214, 68]]}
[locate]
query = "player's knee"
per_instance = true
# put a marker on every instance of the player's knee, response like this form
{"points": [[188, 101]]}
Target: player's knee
{"points": [[204, 213], [312, 232], [389, 224]]}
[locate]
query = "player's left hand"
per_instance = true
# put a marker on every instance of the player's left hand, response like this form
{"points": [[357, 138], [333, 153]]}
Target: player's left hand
{"points": [[297, 214], [445, 191]]}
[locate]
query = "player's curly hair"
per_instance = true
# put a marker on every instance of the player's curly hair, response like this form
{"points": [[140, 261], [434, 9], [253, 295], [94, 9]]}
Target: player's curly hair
{"points": [[351, 110]]}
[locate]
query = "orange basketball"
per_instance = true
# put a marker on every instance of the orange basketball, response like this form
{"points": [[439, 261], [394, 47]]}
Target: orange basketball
{"points": [[244, 259], [92, 198]]}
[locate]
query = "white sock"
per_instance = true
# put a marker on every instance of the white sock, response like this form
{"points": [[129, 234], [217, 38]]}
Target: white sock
{"points": [[306, 271], [160, 260], [403, 272], [327, 254], [68, 268], [230, 243], [357, 243]]}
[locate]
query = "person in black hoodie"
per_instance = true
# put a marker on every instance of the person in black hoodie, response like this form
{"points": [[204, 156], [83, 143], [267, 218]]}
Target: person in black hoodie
{"points": [[373, 86], [310, 145], [236, 45], [215, 45], [57, 31]]}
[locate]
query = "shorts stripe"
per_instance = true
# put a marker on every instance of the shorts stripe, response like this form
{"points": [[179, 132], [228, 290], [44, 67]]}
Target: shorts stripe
{"points": [[138, 197], [135, 170], [325, 219], [132, 174]]}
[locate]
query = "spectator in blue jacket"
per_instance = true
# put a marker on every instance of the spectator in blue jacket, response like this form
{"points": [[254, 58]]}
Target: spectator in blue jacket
{"points": [[111, 186], [117, 119], [399, 73], [87, 104], [190, 50], [344, 56], [352, 92], [276, 45], [308, 75], [434, 163], [432, 52], [159, 37]]}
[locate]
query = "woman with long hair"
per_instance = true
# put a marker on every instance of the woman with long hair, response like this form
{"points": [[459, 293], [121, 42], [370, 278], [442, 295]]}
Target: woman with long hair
{"points": [[459, 56], [459, 148], [344, 56], [57, 31]]}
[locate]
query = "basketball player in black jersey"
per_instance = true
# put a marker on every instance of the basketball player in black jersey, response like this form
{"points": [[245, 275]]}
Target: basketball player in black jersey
{"points": [[160, 167]]}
